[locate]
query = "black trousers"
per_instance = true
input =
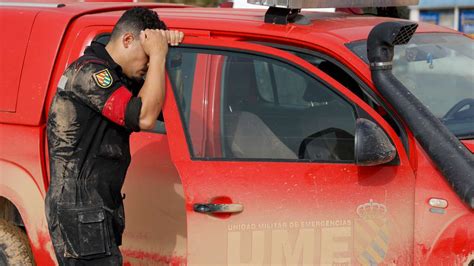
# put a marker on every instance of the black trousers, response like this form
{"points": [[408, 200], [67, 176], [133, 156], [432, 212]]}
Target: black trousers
{"points": [[79, 239], [115, 257]]}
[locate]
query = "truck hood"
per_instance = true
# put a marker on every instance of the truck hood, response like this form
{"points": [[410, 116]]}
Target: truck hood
{"points": [[469, 144]]}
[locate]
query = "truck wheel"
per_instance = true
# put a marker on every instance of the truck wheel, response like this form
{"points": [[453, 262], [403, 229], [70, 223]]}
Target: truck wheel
{"points": [[14, 246]]}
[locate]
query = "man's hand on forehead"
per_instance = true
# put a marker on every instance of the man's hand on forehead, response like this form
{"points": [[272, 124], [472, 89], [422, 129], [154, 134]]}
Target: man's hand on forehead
{"points": [[154, 42], [173, 37]]}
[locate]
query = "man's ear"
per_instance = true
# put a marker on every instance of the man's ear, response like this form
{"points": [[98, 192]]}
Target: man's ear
{"points": [[127, 39]]}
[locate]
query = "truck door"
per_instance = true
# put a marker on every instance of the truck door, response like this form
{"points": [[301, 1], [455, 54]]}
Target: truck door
{"points": [[255, 195]]}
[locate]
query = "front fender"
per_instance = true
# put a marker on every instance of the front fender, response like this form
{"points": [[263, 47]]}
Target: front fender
{"points": [[19, 187], [455, 244]]}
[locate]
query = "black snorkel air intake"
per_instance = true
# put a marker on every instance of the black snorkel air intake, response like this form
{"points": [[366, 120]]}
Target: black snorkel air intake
{"points": [[451, 157]]}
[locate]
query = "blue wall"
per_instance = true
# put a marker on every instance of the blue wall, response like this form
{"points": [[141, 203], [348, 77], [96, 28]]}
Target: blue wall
{"points": [[445, 3]]}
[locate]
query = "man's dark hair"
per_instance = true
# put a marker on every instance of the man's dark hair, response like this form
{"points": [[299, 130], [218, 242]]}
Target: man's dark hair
{"points": [[135, 20]]}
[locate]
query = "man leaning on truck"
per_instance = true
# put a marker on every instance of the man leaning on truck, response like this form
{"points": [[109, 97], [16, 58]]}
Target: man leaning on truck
{"points": [[100, 100]]}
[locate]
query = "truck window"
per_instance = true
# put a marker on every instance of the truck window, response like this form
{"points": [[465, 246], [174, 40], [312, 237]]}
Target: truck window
{"points": [[437, 69], [103, 38], [333, 68], [273, 83], [181, 67], [258, 108], [343, 77], [324, 64]]}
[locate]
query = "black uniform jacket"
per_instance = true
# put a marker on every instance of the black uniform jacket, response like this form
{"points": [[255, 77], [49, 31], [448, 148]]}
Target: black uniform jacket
{"points": [[90, 121]]}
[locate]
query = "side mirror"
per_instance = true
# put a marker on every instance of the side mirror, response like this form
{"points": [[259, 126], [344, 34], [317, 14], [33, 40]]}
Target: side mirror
{"points": [[372, 145]]}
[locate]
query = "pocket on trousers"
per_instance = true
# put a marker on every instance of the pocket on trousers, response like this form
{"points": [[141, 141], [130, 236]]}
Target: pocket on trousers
{"points": [[85, 231]]}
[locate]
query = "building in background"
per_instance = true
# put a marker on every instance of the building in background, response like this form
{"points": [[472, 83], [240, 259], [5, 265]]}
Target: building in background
{"points": [[455, 14]]}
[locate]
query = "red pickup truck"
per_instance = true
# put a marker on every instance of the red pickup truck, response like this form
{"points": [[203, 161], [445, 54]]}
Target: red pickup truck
{"points": [[290, 138]]}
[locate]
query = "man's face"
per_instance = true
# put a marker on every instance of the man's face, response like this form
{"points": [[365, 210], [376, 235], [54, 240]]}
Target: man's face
{"points": [[136, 60]]}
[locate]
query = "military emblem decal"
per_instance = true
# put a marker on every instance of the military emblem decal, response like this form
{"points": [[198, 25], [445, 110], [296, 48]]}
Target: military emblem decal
{"points": [[371, 233], [103, 78]]}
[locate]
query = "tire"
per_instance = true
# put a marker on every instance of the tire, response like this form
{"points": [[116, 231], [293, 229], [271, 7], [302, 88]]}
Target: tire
{"points": [[14, 245]]}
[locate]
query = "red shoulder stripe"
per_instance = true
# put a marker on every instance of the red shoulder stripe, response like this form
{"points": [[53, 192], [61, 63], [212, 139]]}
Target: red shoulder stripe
{"points": [[114, 108]]}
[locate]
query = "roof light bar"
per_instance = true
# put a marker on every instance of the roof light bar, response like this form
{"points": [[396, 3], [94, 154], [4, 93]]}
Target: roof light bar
{"points": [[298, 4]]}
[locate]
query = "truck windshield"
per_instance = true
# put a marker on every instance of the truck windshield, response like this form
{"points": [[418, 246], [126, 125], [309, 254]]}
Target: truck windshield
{"points": [[439, 70]]}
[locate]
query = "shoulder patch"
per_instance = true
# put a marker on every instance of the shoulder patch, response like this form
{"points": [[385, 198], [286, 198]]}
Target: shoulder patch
{"points": [[103, 78]]}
